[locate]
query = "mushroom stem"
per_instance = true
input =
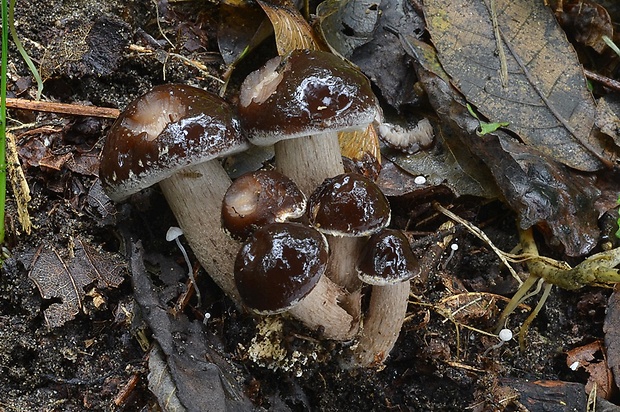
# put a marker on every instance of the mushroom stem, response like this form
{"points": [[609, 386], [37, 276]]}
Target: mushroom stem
{"points": [[319, 310], [382, 324], [308, 161], [195, 197], [343, 257], [344, 252]]}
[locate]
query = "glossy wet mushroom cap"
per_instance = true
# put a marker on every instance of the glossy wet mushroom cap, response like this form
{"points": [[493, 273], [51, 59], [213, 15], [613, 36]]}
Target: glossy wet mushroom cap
{"points": [[162, 132], [387, 259], [305, 93], [259, 198], [348, 205], [279, 265]]}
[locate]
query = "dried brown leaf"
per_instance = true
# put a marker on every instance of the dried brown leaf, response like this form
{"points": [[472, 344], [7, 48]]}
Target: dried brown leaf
{"points": [[291, 30], [587, 22], [592, 358], [542, 191], [545, 98], [64, 278]]}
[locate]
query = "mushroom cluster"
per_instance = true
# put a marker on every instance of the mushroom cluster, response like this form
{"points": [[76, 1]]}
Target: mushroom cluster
{"points": [[303, 239]]}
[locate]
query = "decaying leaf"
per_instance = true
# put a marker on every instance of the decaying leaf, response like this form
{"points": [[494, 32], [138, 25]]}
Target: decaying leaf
{"points": [[62, 276], [543, 192], [611, 328], [347, 25], [449, 163], [291, 30], [592, 358], [545, 98], [607, 119], [188, 366], [587, 21], [383, 60]]}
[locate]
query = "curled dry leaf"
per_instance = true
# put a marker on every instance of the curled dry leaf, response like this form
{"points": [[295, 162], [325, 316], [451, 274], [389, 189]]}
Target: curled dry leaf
{"points": [[362, 148], [291, 30]]}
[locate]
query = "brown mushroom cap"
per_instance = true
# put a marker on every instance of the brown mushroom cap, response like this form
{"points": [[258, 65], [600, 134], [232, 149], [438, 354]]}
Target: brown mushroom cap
{"points": [[279, 265], [387, 259], [305, 93], [163, 131], [348, 205], [258, 198]]}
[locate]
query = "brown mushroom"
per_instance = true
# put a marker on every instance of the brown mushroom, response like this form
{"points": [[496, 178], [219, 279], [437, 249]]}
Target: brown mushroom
{"points": [[257, 198], [348, 208], [173, 135], [280, 269], [300, 102], [387, 263]]}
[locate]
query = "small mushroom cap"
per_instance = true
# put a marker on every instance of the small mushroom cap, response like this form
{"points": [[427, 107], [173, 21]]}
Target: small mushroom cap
{"points": [[387, 259], [280, 265], [165, 130], [348, 205], [258, 198], [305, 93]]}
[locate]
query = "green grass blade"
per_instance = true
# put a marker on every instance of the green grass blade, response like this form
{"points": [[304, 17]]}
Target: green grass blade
{"points": [[20, 47]]}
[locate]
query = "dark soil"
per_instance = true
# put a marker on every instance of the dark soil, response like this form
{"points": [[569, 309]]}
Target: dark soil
{"points": [[95, 361]]}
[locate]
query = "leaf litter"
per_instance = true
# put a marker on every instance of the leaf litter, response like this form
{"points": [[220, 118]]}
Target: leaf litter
{"points": [[432, 363]]}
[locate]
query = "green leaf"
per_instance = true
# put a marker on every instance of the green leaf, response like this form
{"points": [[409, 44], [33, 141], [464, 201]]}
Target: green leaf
{"points": [[486, 128]]}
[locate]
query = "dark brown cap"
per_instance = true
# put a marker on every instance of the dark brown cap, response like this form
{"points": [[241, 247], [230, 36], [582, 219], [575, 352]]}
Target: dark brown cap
{"points": [[305, 93], [167, 129], [387, 259], [257, 198], [348, 205], [279, 265]]}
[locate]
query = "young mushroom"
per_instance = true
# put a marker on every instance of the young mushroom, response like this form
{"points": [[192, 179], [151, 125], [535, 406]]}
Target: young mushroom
{"points": [[280, 269], [388, 264], [257, 198], [173, 135], [174, 233], [300, 102], [347, 209]]}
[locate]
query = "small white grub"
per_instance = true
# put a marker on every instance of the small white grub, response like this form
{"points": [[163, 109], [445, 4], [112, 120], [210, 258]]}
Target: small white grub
{"points": [[407, 140]]}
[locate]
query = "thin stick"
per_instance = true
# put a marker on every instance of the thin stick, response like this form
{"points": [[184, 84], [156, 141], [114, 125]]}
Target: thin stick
{"points": [[482, 236], [62, 108]]}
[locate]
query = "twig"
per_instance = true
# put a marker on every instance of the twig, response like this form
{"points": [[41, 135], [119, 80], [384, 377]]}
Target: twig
{"points": [[63, 108], [605, 81], [482, 236]]}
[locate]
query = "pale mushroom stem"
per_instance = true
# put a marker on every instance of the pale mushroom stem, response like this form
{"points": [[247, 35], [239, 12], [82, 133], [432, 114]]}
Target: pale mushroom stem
{"points": [[320, 311], [308, 161], [382, 324], [344, 252], [195, 197]]}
